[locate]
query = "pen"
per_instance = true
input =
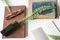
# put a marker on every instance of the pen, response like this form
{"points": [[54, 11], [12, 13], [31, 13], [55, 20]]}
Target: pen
{"points": [[56, 26]]}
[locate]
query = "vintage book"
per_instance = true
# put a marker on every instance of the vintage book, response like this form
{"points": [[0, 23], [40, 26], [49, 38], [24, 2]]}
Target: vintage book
{"points": [[48, 14], [19, 33]]}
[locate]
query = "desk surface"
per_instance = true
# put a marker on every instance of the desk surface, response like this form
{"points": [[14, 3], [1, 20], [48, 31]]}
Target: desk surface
{"points": [[15, 2]]}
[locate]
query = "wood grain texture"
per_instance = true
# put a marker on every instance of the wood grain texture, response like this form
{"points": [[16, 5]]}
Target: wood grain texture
{"points": [[20, 33]]}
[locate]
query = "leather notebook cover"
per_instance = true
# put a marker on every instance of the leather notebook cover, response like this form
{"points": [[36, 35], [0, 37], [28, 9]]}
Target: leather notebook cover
{"points": [[20, 33]]}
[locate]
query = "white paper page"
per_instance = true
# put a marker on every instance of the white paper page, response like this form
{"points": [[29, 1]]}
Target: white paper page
{"points": [[47, 25]]}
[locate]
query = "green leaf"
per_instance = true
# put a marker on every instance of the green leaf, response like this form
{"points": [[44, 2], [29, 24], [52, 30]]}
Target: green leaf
{"points": [[55, 37], [5, 2], [36, 13]]}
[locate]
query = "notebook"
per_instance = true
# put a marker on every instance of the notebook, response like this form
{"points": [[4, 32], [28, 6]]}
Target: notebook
{"points": [[48, 14], [20, 33]]}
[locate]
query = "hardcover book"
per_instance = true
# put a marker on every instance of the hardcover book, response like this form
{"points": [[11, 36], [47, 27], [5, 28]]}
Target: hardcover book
{"points": [[48, 14], [19, 33]]}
